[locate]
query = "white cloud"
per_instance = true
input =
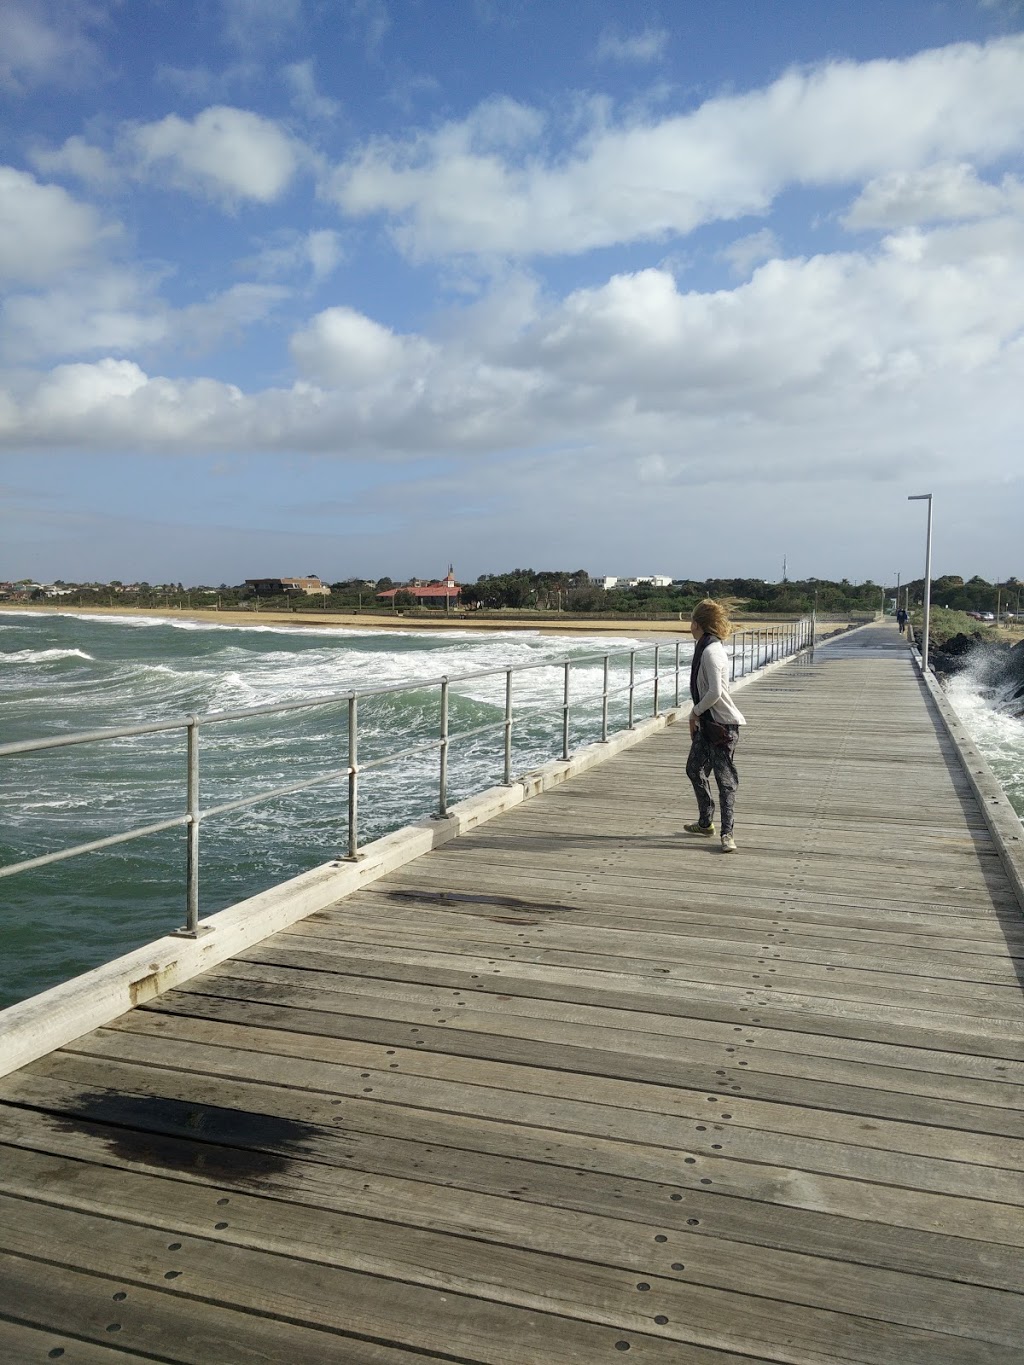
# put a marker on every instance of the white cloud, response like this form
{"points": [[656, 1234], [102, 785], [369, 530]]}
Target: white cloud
{"points": [[96, 312], [317, 253], [300, 79], [203, 325], [746, 252], [936, 194], [343, 347], [646, 46], [794, 374], [76, 158], [45, 43], [458, 189], [224, 152], [372, 19], [203, 85], [43, 229], [250, 24], [115, 312]]}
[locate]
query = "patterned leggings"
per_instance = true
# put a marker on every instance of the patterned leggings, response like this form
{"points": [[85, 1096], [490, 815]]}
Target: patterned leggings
{"points": [[706, 758]]}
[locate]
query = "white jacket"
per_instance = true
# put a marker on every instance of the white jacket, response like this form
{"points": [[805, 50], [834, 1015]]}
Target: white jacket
{"points": [[713, 686]]}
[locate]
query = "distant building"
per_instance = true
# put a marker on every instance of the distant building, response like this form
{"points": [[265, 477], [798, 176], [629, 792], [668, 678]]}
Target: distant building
{"points": [[284, 587], [655, 581], [441, 594]]}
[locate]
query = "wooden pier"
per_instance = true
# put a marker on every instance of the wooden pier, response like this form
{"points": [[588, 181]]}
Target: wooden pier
{"points": [[576, 1086]]}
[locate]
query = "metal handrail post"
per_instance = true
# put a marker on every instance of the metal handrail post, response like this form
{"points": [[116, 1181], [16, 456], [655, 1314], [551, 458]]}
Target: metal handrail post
{"points": [[353, 777], [677, 676], [732, 659], [604, 703], [507, 779], [565, 713], [632, 680], [442, 795], [191, 929], [657, 678]]}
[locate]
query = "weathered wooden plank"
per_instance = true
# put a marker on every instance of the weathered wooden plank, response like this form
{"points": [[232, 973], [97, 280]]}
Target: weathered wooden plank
{"points": [[739, 1008], [680, 921], [586, 1053], [895, 973], [656, 986], [609, 1106], [474, 1197], [425, 1319], [177, 1102], [19, 1344], [943, 1075], [381, 1243], [153, 1324]]}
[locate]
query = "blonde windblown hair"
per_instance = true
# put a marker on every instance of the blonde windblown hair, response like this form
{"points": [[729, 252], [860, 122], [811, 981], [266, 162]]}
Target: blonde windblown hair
{"points": [[712, 617]]}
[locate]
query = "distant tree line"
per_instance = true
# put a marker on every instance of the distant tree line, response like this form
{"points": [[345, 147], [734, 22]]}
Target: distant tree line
{"points": [[545, 590]]}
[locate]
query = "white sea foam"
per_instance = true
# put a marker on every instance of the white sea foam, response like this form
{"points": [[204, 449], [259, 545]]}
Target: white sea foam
{"points": [[998, 734], [35, 656]]}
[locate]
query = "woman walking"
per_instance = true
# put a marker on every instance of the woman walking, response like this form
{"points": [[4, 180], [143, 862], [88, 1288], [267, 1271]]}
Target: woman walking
{"points": [[714, 723]]}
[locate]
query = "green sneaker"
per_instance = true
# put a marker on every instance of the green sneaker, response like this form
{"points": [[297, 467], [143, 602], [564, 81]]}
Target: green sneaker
{"points": [[728, 844], [706, 830]]}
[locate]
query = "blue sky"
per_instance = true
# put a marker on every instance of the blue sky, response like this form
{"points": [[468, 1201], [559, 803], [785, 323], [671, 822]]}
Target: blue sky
{"points": [[365, 286]]}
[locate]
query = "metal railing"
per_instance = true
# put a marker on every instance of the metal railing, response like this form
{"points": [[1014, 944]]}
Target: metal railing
{"points": [[749, 650]]}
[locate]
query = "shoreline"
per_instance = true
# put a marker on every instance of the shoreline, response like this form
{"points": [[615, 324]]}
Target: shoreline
{"points": [[575, 625]]}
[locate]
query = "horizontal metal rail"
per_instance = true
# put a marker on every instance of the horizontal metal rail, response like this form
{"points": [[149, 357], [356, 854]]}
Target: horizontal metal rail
{"points": [[748, 651]]}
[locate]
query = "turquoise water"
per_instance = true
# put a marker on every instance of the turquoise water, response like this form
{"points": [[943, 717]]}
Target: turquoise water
{"points": [[64, 674]]}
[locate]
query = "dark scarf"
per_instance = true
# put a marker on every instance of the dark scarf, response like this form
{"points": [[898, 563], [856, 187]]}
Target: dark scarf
{"points": [[702, 645]]}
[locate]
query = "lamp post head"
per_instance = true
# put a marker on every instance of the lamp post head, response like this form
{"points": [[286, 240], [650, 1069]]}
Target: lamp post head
{"points": [[919, 497]]}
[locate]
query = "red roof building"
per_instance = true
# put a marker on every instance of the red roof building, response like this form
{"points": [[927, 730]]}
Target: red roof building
{"points": [[442, 594]]}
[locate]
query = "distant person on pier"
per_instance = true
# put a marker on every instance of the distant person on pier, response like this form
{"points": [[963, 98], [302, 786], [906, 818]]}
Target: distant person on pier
{"points": [[714, 723], [901, 620]]}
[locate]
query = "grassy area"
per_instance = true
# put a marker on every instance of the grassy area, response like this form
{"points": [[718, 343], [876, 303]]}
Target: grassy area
{"points": [[944, 624]]}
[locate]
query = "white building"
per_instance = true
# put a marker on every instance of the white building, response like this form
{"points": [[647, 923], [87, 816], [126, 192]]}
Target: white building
{"points": [[655, 581]]}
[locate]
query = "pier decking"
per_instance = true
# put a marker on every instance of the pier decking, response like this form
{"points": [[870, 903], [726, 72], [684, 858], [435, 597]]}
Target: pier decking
{"points": [[576, 1085]]}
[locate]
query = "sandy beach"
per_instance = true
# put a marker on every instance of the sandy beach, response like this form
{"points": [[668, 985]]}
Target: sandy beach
{"points": [[560, 624]]}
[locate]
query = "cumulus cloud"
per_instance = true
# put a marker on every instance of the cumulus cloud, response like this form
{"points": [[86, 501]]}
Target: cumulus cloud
{"points": [[646, 46], [100, 311], [343, 347], [43, 229], [458, 189], [794, 373], [224, 152], [78, 159], [116, 312], [935, 194], [45, 42]]}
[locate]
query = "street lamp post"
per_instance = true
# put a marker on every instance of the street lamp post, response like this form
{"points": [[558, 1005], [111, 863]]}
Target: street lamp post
{"points": [[926, 497]]}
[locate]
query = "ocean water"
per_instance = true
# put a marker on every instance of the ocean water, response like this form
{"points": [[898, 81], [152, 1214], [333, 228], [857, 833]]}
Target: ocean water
{"points": [[64, 674], [997, 731]]}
